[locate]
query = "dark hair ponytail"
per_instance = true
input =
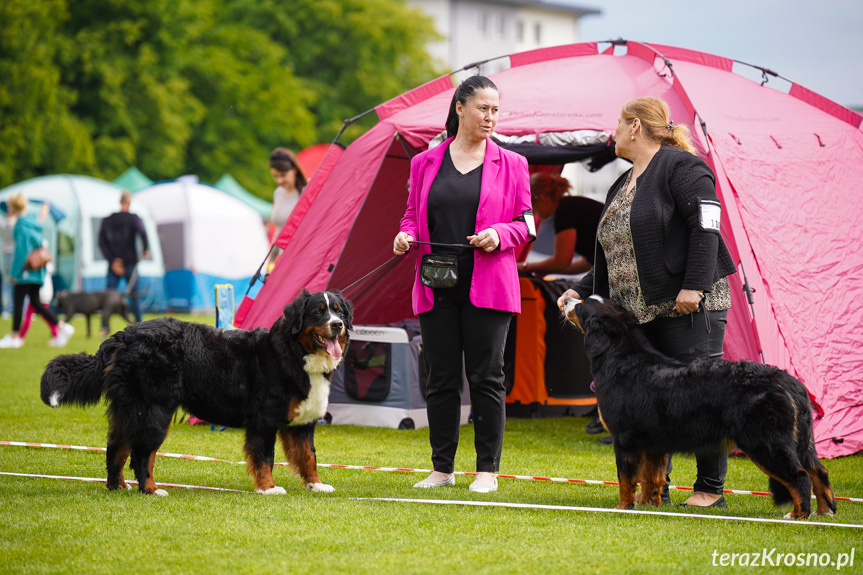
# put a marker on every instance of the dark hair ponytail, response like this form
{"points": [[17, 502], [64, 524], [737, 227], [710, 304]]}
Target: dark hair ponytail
{"points": [[465, 91]]}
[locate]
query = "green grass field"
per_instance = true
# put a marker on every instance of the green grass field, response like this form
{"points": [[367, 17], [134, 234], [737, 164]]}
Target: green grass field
{"points": [[61, 526]]}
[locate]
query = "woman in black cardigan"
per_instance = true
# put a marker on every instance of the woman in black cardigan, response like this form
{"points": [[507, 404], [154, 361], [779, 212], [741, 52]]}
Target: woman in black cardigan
{"points": [[659, 253]]}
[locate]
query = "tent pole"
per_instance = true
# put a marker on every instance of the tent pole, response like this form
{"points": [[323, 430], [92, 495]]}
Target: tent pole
{"points": [[258, 273], [751, 298], [350, 121]]}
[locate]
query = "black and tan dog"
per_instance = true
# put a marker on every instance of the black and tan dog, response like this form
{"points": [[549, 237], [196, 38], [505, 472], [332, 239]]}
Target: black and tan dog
{"points": [[654, 405], [272, 382]]}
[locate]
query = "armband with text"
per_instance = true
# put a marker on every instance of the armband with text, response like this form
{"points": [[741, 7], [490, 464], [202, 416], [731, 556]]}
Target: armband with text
{"points": [[527, 217]]}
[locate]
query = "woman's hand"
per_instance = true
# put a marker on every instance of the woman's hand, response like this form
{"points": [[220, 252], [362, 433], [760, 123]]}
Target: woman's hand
{"points": [[570, 293], [43, 213], [487, 239], [687, 301], [402, 243]]}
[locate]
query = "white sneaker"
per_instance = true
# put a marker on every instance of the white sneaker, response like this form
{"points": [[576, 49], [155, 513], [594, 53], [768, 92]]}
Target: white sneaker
{"points": [[9, 341], [64, 334]]}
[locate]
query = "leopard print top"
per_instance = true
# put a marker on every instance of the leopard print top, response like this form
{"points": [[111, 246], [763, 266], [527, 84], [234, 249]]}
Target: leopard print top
{"points": [[615, 237]]}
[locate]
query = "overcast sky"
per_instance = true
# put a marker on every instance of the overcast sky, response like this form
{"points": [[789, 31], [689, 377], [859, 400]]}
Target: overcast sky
{"points": [[817, 44]]}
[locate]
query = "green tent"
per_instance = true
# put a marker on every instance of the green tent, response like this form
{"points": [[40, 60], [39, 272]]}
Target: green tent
{"points": [[230, 186], [133, 180]]}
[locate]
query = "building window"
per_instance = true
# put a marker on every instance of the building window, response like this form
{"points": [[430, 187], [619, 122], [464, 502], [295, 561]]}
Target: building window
{"points": [[537, 33], [519, 30], [484, 23], [501, 26]]}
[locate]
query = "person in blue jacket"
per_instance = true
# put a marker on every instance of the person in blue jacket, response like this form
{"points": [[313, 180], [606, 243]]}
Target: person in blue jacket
{"points": [[28, 237]]}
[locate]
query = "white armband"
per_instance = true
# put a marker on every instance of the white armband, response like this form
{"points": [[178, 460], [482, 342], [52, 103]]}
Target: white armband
{"points": [[709, 215]]}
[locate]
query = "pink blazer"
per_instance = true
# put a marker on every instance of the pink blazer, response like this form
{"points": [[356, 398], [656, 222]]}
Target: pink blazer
{"points": [[504, 196]]}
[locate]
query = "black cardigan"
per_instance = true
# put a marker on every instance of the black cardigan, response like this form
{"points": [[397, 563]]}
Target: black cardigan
{"points": [[672, 250]]}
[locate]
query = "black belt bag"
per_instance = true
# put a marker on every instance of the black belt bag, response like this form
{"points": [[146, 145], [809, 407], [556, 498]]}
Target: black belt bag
{"points": [[439, 271]]}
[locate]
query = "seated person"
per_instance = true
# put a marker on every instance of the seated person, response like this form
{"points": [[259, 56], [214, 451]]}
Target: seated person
{"points": [[575, 221]]}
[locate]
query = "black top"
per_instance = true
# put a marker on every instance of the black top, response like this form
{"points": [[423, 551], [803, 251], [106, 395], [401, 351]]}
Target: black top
{"points": [[582, 215], [452, 205], [117, 237], [672, 248]]}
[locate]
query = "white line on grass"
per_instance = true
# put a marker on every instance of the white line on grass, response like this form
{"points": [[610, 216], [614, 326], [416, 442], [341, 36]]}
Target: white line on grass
{"points": [[101, 480], [470, 503], [605, 510]]}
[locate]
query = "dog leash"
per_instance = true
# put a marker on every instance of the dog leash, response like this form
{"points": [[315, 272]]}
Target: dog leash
{"points": [[133, 280], [440, 245], [389, 261], [386, 263]]}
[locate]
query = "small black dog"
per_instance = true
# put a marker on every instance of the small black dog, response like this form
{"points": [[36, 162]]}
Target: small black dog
{"points": [[105, 303], [271, 382], [654, 405]]}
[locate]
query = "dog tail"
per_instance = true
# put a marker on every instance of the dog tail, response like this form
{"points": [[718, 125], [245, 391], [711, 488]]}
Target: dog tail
{"points": [[73, 379]]}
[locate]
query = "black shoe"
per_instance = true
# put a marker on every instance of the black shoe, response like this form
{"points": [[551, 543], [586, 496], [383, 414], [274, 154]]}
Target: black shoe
{"points": [[595, 426], [664, 496], [720, 503], [607, 440]]}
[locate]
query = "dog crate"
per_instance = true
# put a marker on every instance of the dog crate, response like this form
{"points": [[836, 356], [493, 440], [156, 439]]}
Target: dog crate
{"points": [[381, 381]]}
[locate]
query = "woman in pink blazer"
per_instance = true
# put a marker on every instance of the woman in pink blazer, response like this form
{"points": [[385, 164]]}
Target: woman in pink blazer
{"points": [[467, 191]]}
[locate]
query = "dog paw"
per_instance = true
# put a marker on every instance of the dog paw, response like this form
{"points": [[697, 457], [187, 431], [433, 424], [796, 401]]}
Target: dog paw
{"points": [[800, 515], [320, 487], [827, 513], [160, 493], [272, 491]]}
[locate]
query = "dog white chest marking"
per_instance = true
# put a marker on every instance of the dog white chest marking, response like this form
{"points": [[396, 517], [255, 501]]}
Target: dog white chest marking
{"points": [[314, 407], [54, 400]]}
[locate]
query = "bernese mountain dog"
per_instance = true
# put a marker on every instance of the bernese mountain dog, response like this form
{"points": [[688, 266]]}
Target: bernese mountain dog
{"points": [[654, 405], [271, 382]]}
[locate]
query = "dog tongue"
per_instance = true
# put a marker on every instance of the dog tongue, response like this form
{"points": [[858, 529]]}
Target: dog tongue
{"points": [[333, 348]]}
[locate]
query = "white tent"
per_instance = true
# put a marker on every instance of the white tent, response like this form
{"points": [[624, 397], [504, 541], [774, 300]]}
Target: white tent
{"points": [[74, 240], [208, 238]]}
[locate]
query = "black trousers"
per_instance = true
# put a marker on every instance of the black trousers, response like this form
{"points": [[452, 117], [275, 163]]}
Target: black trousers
{"points": [[452, 330], [32, 290], [688, 338]]}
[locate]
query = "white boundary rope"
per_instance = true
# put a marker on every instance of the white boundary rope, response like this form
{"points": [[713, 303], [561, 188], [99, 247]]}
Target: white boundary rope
{"points": [[398, 469], [101, 480], [607, 510]]}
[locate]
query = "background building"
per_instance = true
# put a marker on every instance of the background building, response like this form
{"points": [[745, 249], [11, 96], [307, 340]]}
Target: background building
{"points": [[477, 30]]}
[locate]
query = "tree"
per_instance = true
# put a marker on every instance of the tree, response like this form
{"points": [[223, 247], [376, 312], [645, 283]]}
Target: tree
{"points": [[38, 135], [352, 54], [194, 86], [253, 103]]}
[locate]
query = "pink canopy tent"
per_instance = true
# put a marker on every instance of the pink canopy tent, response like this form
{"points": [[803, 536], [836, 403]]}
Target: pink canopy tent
{"points": [[788, 168]]}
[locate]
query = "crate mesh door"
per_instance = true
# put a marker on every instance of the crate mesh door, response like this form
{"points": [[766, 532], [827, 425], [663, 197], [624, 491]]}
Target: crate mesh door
{"points": [[368, 371]]}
